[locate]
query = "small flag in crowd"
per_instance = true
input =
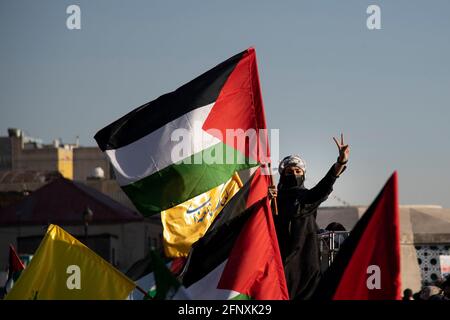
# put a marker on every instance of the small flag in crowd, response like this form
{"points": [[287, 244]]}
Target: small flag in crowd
{"points": [[64, 269], [168, 287], [367, 266], [15, 267], [141, 272]]}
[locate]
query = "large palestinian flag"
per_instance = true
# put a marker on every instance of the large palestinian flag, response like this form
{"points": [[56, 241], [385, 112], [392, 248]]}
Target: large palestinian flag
{"points": [[367, 266], [147, 147], [238, 257]]}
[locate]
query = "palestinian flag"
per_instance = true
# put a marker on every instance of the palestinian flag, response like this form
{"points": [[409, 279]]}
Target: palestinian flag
{"points": [[15, 268], [168, 287], [191, 140], [238, 257], [367, 266], [143, 274]]}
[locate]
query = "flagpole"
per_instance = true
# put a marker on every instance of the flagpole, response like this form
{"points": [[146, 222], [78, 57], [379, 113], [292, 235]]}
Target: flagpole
{"points": [[275, 205], [141, 290]]}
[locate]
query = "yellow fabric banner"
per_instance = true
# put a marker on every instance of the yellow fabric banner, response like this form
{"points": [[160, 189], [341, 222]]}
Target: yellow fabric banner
{"points": [[185, 223], [65, 269]]}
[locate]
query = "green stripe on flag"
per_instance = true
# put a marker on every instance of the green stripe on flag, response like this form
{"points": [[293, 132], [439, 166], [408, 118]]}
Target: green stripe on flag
{"points": [[166, 283], [241, 296], [179, 182]]}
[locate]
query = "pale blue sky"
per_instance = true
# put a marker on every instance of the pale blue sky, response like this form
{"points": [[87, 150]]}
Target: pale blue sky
{"points": [[322, 72]]}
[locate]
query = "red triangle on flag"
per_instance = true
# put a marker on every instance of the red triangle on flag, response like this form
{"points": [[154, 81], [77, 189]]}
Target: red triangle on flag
{"points": [[367, 266], [254, 266], [239, 106]]}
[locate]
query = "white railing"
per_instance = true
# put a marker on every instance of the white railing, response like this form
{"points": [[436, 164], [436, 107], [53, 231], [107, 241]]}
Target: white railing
{"points": [[330, 243]]}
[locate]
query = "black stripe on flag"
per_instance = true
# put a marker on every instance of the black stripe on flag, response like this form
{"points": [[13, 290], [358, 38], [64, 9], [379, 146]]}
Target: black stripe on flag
{"points": [[153, 115], [140, 268]]}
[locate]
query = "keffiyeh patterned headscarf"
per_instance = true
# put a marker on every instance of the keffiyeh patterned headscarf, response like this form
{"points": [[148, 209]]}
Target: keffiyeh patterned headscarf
{"points": [[291, 161]]}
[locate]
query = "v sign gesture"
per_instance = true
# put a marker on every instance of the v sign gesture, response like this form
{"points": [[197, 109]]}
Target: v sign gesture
{"points": [[344, 152], [344, 149]]}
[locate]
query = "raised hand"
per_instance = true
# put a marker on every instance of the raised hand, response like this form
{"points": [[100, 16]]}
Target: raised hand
{"points": [[344, 149], [272, 192]]}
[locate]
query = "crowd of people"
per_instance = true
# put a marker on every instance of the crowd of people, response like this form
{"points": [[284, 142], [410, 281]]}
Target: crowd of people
{"points": [[438, 290]]}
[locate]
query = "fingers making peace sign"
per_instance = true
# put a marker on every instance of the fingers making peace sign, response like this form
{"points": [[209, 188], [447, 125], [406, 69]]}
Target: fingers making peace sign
{"points": [[344, 149]]}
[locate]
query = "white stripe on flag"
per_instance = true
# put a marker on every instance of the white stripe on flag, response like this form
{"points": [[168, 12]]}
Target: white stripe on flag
{"points": [[206, 288], [152, 153]]}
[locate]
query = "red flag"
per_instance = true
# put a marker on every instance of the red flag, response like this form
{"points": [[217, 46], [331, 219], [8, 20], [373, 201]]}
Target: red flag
{"points": [[239, 254], [15, 264], [14, 269], [367, 266], [256, 253]]}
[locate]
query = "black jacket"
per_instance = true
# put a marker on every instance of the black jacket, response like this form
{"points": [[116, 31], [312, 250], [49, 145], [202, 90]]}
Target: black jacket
{"points": [[297, 235]]}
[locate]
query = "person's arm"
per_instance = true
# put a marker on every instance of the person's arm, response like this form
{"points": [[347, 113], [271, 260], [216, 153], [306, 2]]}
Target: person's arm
{"points": [[322, 190], [325, 186]]}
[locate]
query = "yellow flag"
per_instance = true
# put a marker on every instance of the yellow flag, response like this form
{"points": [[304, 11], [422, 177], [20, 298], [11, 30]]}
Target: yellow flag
{"points": [[65, 269], [185, 223]]}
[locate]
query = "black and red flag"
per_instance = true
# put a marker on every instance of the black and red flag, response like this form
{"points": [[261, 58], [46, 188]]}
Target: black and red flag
{"points": [[367, 266]]}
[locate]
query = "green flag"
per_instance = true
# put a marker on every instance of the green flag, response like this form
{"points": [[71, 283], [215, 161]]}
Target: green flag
{"points": [[168, 287]]}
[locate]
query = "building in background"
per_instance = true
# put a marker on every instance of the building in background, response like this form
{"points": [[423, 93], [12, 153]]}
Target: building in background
{"points": [[20, 152], [90, 163], [53, 183], [25, 162], [115, 232]]}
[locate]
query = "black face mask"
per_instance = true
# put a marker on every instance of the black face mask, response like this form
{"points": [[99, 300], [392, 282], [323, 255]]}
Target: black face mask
{"points": [[291, 180]]}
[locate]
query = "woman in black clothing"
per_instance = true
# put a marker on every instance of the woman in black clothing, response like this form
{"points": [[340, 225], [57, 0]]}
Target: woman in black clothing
{"points": [[296, 220]]}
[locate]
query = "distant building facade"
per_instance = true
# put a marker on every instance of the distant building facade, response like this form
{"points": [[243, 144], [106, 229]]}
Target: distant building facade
{"points": [[118, 234], [87, 162], [19, 152], [22, 157], [27, 165]]}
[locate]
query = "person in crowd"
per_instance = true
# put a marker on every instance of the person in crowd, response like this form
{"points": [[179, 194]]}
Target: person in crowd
{"points": [[429, 291], [446, 288], [407, 295], [296, 220]]}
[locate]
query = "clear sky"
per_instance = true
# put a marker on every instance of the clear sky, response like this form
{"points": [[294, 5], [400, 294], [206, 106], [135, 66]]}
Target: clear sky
{"points": [[322, 72]]}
